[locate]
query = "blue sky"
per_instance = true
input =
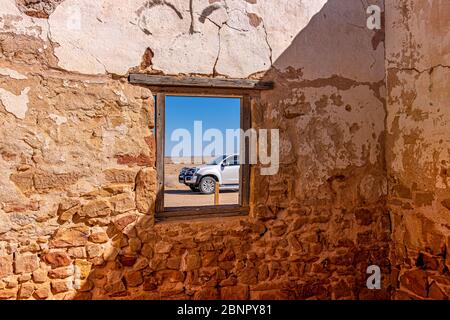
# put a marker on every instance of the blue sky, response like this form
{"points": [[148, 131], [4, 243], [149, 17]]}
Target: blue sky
{"points": [[215, 113]]}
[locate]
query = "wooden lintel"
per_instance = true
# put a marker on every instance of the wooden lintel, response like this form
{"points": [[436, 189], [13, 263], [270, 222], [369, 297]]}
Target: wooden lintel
{"points": [[196, 82]]}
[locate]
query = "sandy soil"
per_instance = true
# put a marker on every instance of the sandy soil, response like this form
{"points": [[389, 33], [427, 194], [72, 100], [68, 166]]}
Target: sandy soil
{"points": [[187, 198], [179, 195]]}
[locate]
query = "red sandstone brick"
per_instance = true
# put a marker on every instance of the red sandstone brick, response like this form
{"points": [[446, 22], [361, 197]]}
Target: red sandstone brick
{"points": [[57, 259], [415, 281]]}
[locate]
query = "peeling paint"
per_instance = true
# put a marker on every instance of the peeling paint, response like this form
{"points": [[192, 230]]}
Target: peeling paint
{"points": [[59, 120], [15, 104], [13, 74]]}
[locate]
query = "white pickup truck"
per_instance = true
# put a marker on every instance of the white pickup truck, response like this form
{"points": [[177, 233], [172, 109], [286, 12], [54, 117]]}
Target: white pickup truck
{"points": [[224, 170]]}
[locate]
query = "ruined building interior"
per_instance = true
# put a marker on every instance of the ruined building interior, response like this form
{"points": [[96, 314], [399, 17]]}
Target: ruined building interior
{"points": [[364, 175]]}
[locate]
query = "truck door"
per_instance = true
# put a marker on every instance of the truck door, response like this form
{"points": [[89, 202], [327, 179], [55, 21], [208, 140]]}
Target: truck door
{"points": [[230, 170]]}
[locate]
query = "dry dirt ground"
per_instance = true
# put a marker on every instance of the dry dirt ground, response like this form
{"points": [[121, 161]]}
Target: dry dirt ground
{"points": [[179, 195]]}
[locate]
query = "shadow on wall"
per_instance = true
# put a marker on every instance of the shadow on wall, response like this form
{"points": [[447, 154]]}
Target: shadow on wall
{"points": [[329, 105], [314, 228]]}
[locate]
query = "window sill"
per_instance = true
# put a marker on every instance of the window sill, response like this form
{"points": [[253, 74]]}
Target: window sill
{"points": [[201, 212]]}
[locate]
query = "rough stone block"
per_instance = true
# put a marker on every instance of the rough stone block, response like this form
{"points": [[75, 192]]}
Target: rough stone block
{"points": [[415, 281], [61, 273], [95, 208], [59, 286], [42, 291], [120, 222], [70, 237], [145, 190], [26, 290], [57, 259], [40, 276], [8, 294], [6, 266], [98, 236], [120, 175], [82, 268], [122, 203], [133, 278], [26, 263], [234, 293]]}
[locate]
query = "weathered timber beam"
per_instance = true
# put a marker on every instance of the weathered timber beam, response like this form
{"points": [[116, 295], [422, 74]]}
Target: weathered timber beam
{"points": [[195, 82]]}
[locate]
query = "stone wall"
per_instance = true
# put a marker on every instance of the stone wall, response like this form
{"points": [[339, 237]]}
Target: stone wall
{"points": [[331, 190], [78, 178], [418, 146]]}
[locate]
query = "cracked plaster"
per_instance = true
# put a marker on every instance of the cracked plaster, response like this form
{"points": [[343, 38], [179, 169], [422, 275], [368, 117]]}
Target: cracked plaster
{"points": [[187, 37]]}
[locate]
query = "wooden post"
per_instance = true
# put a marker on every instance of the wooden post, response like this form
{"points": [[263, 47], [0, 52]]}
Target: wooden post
{"points": [[216, 194], [245, 149], [160, 132]]}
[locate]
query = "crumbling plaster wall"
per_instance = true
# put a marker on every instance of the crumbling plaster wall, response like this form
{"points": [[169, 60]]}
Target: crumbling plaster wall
{"points": [[235, 38], [418, 145], [330, 108], [77, 174]]}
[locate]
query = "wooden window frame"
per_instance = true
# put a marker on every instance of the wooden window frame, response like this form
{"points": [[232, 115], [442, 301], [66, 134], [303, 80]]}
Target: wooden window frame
{"points": [[163, 86]]}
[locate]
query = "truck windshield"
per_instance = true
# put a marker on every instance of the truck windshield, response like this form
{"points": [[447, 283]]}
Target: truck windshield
{"points": [[216, 161]]}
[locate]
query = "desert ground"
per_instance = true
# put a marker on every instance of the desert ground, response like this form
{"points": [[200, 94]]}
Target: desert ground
{"points": [[179, 195]]}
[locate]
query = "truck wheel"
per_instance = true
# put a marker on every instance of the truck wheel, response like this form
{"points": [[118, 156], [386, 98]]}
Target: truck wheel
{"points": [[194, 189], [207, 185]]}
